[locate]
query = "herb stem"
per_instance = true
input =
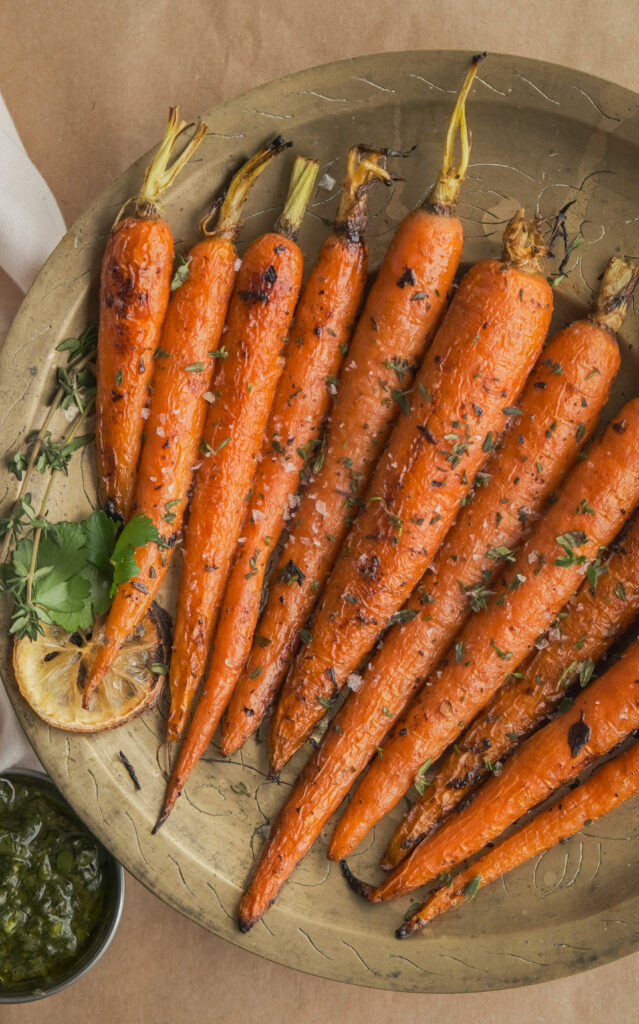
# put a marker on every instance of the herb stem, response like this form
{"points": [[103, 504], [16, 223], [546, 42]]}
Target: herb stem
{"points": [[79, 363], [88, 410]]}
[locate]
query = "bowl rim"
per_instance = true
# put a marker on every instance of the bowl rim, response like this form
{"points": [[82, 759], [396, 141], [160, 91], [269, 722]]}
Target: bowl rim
{"points": [[115, 912]]}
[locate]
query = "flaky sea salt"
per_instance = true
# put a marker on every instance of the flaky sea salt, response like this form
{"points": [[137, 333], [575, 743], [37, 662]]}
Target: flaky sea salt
{"points": [[327, 183]]}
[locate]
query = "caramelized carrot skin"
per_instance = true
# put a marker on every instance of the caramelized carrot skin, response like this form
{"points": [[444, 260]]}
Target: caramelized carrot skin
{"points": [[520, 706], [396, 326], [134, 294], [410, 649], [496, 640], [616, 781], [603, 715], [183, 369], [476, 367], [324, 321], [259, 316], [330, 771], [316, 793], [557, 414]]}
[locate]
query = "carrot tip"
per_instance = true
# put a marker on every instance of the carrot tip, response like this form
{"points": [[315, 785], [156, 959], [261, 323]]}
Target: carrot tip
{"points": [[245, 925], [357, 884], [159, 823], [409, 928], [111, 510], [167, 807]]}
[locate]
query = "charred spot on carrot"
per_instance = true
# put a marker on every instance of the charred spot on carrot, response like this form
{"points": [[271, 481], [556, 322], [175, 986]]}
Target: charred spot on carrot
{"points": [[578, 735]]}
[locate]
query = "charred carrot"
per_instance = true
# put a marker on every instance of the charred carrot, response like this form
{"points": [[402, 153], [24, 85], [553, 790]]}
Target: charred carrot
{"points": [[552, 404], [324, 322], [400, 316], [594, 618], [473, 373], [566, 408], [184, 364], [601, 717], [134, 294], [260, 314], [559, 551], [509, 332], [614, 782]]}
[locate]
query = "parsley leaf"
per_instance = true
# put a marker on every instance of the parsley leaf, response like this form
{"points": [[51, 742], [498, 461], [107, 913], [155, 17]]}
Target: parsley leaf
{"points": [[137, 532]]}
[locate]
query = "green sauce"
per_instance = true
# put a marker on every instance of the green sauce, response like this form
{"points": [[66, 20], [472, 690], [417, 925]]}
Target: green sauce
{"points": [[52, 883]]}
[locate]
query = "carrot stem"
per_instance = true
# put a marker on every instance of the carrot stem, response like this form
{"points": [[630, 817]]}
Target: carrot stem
{"points": [[229, 220], [362, 169], [617, 288], [446, 189], [299, 193], [160, 173]]}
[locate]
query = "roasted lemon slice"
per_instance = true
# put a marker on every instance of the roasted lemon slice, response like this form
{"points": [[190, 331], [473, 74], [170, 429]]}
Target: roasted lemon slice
{"points": [[52, 671]]}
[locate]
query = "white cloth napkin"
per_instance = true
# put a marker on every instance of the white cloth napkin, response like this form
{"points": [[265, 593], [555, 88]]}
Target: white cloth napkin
{"points": [[31, 225]]}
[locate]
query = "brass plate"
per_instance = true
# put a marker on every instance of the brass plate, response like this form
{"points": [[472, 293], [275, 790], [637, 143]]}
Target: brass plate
{"points": [[542, 135]]}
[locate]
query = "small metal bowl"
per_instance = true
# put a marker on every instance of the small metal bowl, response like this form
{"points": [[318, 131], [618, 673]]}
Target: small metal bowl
{"points": [[30, 989]]}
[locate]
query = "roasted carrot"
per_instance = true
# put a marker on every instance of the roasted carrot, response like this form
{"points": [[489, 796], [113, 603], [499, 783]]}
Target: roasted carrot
{"points": [[550, 566], [566, 407], [324, 322], [452, 381], [601, 717], [594, 618], [473, 373], [184, 363], [552, 404], [614, 782], [400, 316], [260, 314], [134, 294]]}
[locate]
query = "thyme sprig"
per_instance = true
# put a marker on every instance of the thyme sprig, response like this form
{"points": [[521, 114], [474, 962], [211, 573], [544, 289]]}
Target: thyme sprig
{"points": [[76, 386]]}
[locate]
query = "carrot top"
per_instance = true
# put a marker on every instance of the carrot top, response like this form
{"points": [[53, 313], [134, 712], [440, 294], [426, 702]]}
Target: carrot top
{"points": [[444, 193], [362, 170], [299, 192], [227, 207], [160, 174], [617, 288]]}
